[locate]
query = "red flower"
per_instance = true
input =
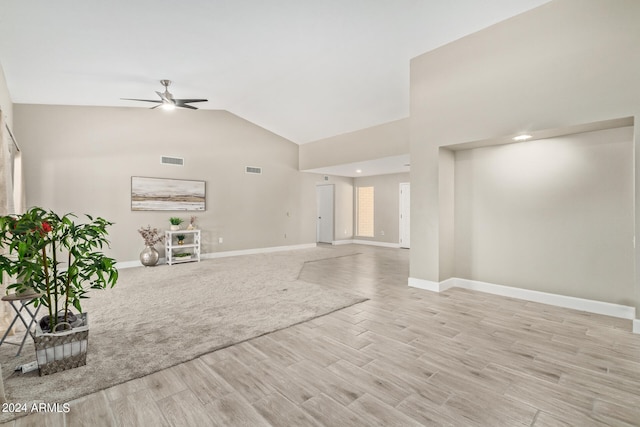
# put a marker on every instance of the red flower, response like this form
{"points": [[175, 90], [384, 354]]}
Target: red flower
{"points": [[46, 227]]}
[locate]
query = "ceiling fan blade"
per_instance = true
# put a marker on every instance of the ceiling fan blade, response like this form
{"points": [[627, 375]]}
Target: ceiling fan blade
{"points": [[190, 100], [145, 100], [167, 99], [183, 105]]}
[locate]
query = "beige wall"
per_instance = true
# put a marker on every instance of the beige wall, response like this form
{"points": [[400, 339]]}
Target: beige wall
{"points": [[565, 63], [5, 100], [81, 159], [386, 205], [388, 139], [549, 214], [343, 207], [7, 111]]}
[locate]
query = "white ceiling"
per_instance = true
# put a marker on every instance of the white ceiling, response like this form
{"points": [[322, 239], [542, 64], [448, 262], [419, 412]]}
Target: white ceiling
{"points": [[303, 69], [383, 166]]}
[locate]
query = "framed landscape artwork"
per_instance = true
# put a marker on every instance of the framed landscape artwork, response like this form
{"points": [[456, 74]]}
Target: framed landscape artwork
{"points": [[162, 194]]}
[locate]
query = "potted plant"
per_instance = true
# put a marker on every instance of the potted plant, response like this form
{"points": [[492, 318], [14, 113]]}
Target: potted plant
{"points": [[175, 223], [182, 256], [151, 236], [62, 260], [180, 238]]}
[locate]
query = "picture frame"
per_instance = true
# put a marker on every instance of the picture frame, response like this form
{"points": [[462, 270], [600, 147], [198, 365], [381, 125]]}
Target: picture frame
{"points": [[167, 194]]}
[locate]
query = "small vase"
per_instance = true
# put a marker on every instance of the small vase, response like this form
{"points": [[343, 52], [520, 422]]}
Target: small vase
{"points": [[149, 256], [181, 242], [175, 227]]}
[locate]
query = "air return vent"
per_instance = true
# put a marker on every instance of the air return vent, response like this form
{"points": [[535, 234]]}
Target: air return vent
{"points": [[253, 169], [176, 161]]}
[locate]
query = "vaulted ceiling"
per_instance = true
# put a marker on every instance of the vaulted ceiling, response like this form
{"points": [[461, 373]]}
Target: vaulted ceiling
{"points": [[303, 69]]}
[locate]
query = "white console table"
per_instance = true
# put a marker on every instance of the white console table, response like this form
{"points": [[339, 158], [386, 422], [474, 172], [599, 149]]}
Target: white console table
{"points": [[191, 246]]}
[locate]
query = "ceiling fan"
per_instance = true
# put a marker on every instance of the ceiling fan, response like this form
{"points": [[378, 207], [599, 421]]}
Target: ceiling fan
{"points": [[167, 101]]}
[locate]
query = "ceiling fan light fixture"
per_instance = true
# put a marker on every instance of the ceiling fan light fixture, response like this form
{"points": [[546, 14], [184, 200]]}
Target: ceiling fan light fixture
{"points": [[167, 101]]}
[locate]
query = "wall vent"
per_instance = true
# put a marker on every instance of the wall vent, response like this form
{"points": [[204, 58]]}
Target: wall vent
{"points": [[176, 161], [253, 169]]}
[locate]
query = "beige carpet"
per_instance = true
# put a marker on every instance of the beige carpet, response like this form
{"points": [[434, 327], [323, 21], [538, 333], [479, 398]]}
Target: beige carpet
{"points": [[161, 316]]}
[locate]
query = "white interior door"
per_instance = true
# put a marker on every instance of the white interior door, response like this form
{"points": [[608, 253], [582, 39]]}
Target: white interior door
{"points": [[324, 200], [405, 215]]}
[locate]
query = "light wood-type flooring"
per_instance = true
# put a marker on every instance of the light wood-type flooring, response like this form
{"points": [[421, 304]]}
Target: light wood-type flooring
{"points": [[406, 357]]}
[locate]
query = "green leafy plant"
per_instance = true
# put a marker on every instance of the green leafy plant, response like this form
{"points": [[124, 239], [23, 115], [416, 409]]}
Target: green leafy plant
{"points": [[180, 237], [57, 257], [174, 220], [182, 255]]}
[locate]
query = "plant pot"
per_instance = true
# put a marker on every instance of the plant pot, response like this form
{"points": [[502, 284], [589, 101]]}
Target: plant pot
{"points": [[72, 320], [59, 351], [149, 256], [175, 227]]}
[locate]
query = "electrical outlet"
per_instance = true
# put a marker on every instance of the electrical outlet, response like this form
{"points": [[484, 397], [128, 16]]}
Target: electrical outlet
{"points": [[220, 240], [382, 233]]}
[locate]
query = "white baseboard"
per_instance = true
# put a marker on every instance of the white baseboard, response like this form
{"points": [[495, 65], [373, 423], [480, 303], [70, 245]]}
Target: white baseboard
{"points": [[130, 264], [342, 242], [374, 243], [366, 242], [591, 306], [427, 285], [257, 251]]}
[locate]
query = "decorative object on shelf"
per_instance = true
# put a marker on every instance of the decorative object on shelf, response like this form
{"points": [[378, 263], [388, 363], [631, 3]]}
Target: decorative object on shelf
{"points": [[175, 223], [149, 255], [161, 194], [183, 256], [180, 238], [175, 251], [192, 223], [36, 243]]}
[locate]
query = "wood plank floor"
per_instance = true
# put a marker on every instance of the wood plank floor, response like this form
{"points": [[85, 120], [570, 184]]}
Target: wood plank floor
{"points": [[406, 357]]}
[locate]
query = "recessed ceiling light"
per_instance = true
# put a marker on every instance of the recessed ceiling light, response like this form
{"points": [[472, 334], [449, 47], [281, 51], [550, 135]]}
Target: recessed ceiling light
{"points": [[521, 137], [358, 170]]}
